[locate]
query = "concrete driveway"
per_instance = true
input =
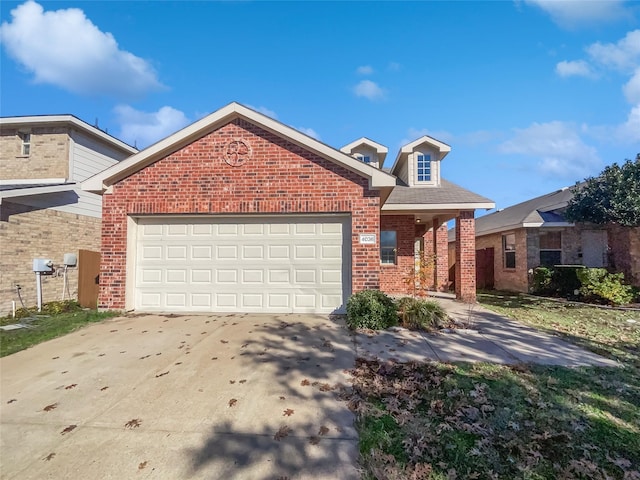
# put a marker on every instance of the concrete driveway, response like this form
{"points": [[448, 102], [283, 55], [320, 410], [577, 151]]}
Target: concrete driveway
{"points": [[182, 396]]}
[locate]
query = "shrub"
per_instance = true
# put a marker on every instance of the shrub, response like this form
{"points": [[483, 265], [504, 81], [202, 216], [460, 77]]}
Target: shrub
{"points": [[598, 285], [418, 314], [542, 281], [371, 309]]}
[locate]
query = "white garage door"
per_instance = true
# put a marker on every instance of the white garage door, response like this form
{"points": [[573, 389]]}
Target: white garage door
{"points": [[243, 264]]}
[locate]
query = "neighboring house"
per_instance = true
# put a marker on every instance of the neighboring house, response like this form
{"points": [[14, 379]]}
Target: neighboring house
{"points": [[43, 211], [238, 212], [511, 242]]}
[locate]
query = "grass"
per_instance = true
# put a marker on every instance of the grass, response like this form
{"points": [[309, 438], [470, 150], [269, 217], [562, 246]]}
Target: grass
{"points": [[57, 319], [483, 421]]}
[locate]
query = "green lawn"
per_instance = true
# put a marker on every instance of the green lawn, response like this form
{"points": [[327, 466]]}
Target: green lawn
{"points": [[56, 320], [466, 421]]}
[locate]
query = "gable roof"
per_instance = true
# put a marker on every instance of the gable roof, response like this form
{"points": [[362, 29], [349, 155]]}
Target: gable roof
{"points": [[536, 212], [448, 195], [380, 149], [65, 119], [443, 149], [100, 182]]}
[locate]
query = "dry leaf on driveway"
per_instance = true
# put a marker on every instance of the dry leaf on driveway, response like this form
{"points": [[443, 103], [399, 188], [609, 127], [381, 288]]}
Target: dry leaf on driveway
{"points": [[282, 432], [133, 423], [287, 413], [232, 402], [48, 408], [68, 429]]}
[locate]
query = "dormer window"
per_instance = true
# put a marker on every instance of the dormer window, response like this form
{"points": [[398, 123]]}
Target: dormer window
{"points": [[424, 168], [363, 158]]}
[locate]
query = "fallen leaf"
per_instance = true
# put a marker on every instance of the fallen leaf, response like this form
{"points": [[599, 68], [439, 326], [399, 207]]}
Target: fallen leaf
{"points": [[48, 408], [214, 358], [287, 413], [305, 382], [146, 356], [232, 402], [133, 423], [224, 341], [323, 431], [242, 381], [55, 358], [232, 382], [49, 457], [68, 429], [112, 331], [314, 440], [178, 363], [103, 389], [142, 465], [282, 398], [282, 432], [102, 354], [12, 400], [162, 374], [69, 387]]}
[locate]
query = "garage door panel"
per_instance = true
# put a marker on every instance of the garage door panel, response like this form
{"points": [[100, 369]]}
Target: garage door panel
{"points": [[259, 264]]}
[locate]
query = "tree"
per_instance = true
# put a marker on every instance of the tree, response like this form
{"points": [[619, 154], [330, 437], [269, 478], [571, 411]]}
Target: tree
{"points": [[611, 197]]}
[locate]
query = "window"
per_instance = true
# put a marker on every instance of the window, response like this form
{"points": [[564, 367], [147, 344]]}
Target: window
{"points": [[509, 250], [26, 143], [550, 248], [363, 158], [424, 168], [388, 243]]}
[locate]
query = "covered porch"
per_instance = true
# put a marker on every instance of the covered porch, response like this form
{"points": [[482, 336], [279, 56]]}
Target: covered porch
{"points": [[421, 260]]}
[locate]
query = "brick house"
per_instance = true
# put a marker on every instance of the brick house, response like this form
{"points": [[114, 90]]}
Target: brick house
{"points": [[239, 212], [43, 211], [511, 242]]}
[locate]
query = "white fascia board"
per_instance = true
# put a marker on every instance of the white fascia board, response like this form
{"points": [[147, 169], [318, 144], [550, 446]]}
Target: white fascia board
{"points": [[365, 141], [437, 206], [31, 181], [443, 148], [28, 192], [69, 119], [98, 183]]}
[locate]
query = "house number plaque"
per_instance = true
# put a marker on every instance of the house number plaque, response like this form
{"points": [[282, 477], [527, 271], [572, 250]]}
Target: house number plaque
{"points": [[367, 239]]}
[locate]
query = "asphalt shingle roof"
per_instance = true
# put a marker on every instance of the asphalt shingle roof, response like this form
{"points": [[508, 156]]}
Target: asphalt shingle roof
{"points": [[446, 193]]}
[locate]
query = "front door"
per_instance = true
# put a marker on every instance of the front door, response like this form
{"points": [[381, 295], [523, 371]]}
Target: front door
{"points": [[594, 248]]}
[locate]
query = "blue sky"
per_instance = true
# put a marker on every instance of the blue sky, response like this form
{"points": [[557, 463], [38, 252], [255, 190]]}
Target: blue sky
{"points": [[532, 95]]}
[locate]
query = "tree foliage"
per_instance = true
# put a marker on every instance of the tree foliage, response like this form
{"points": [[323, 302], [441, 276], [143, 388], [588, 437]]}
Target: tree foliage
{"points": [[611, 197]]}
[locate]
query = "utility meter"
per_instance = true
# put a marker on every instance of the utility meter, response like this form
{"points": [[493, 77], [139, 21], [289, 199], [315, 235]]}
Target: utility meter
{"points": [[43, 266]]}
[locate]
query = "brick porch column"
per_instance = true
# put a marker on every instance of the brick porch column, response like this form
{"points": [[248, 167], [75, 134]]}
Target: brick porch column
{"points": [[441, 249], [466, 256]]}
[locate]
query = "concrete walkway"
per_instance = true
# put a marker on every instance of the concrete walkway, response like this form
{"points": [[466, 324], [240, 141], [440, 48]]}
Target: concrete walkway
{"points": [[492, 338]]}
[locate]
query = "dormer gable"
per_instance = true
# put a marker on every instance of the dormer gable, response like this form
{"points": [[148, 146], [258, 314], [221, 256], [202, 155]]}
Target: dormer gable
{"points": [[418, 162], [367, 151]]}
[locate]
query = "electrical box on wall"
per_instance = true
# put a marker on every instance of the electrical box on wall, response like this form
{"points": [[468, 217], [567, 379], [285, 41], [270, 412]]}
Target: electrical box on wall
{"points": [[43, 266], [70, 260]]}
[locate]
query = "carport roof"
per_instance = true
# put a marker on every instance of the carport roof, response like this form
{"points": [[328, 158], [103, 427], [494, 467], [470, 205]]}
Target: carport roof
{"points": [[102, 181]]}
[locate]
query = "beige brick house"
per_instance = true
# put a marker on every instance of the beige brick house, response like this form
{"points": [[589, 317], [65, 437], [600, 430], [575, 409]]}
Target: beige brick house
{"points": [[511, 242], [43, 211]]}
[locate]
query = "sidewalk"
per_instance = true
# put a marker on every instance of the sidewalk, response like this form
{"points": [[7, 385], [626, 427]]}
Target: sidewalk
{"points": [[494, 339]]}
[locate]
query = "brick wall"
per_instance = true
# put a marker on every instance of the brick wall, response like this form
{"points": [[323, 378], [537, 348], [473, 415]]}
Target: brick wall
{"points": [[624, 245], [441, 267], [465, 283], [512, 279], [27, 233], [393, 278], [279, 178], [49, 157]]}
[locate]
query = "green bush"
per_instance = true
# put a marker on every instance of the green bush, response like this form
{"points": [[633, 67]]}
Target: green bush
{"points": [[50, 308], [371, 309], [418, 314], [598, 285], [542, 281]]}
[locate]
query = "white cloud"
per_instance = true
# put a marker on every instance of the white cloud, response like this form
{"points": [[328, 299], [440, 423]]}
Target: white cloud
{"points": [[559, 149], [369, 89], [264, 111], [629, 132], [623, 55], [64, 48], [632, 88], [144, 128], [309, 131], [365, 70], [577, 68], [578, 13]]}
